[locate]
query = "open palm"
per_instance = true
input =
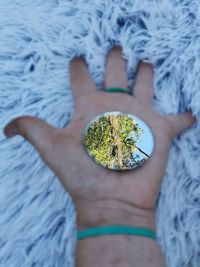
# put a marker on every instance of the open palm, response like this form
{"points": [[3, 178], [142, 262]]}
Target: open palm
{"points": [[62, 149]]}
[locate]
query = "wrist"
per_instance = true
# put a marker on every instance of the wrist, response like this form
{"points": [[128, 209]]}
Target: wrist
{"points": [[112, 211]]}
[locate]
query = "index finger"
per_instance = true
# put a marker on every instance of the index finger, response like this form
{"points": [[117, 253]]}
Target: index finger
{"points": [[143, 87]]}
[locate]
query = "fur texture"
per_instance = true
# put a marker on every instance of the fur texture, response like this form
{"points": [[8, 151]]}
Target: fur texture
{"points": [[38, 40]]}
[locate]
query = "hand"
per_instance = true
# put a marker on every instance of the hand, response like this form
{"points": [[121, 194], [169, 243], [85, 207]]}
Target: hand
{"points": [[90, 184]]}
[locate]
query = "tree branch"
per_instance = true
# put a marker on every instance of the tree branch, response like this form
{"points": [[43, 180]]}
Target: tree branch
{"points": [[142, 151]]}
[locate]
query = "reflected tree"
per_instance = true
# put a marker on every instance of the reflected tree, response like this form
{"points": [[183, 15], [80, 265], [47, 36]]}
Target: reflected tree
{"points": [[108, 141]]}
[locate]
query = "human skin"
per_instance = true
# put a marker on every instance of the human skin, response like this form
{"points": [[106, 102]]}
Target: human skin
{"points": [[104, 196]]}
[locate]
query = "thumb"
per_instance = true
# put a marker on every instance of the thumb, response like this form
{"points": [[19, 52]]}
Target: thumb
{"points": [[181, 122], [35, 130]]}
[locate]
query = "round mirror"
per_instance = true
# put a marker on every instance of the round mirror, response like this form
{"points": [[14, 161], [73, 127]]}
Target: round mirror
{"points": [[118, 141]]}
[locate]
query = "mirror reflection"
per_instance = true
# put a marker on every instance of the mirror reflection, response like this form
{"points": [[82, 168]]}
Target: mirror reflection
{"points": [[118, 141]]}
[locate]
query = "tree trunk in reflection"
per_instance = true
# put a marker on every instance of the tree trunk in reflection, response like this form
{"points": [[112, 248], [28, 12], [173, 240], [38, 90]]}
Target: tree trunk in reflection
{"points": [[115, 131]]}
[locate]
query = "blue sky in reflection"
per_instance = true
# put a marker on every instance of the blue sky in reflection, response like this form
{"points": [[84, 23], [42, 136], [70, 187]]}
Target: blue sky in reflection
{"points": [[145, 142]]}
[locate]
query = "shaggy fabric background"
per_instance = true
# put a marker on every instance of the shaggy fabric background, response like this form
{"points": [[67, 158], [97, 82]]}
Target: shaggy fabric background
{"points": [[37, 41]]}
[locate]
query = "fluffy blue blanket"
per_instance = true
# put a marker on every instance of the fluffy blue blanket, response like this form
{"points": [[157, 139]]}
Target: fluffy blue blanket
{"points": [[37, 41]]}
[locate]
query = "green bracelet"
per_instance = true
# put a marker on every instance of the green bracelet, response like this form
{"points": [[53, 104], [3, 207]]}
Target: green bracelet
{"points": [[117, 90], [115, 230]]}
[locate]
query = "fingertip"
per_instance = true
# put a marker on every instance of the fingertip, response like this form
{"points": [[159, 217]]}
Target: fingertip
{"points": [[191, 117], [10, 129]]}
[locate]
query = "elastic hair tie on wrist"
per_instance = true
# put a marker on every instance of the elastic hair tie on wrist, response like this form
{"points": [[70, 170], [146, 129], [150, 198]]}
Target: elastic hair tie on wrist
{"points": [[115, 230]]}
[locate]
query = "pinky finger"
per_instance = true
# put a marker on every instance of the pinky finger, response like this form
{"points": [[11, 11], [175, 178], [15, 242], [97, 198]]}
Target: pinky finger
{"points": [[181, 122]]}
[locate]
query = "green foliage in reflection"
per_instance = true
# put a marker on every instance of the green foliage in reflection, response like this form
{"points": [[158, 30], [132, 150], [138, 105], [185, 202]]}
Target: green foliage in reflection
{"points": [[101, 137], [99, 140]]}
